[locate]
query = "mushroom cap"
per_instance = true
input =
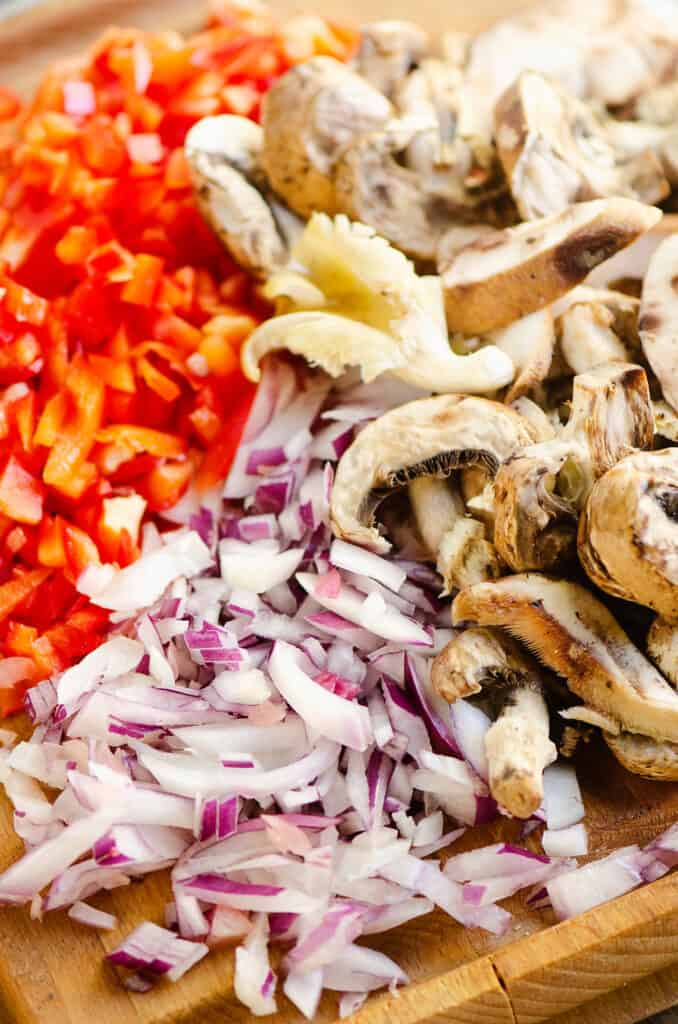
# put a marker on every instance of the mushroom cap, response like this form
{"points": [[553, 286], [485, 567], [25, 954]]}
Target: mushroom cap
{"points": [[539, 491], [224, 158], [572, 633], [513, 272], [658, 321], [387, 52], [374, 186], [628, 533], [428, 437], [554, 151], [653, 759], [309, 116], [535, 516]]}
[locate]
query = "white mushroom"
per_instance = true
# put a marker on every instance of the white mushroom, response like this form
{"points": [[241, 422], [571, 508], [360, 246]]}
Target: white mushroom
{"points": [[575, 635], [387, 52], [374, 184], [224, 157], [658, 323], [309, 116], [601, 328], [372, 310], [662, 646], [541, 489], [511, 273], [529, 344], [429, 437], [653, 759], [555, 152], [628, 532], [517, 744]]}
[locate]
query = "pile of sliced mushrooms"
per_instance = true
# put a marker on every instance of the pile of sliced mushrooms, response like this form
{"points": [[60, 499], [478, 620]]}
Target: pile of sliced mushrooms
{"points": [[447, 218]]}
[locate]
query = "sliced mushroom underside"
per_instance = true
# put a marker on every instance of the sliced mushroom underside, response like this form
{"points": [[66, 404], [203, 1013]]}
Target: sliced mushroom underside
{"points": [[575, 635], [429, 437]]}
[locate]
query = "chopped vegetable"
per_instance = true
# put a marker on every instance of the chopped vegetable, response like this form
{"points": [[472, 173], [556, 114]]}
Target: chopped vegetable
{"points": [[121, 317]]}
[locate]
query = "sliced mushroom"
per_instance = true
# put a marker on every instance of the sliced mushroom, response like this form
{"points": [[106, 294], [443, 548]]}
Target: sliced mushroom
{"points": [[665, 421], [374, 185], [309, 116], [597, 326], [658, 321], [628, 532], [518, 749], [658, 105], [540, 490], [224, 157], [511, 273], [555, 152], [588, 338], [388, 51], [456, 541], [529, 344], [662, 646], [653, 759], [529, 410], [572, 633], [371, 310], [465, 555], [517, 745], [588, 716], [429, 437]]}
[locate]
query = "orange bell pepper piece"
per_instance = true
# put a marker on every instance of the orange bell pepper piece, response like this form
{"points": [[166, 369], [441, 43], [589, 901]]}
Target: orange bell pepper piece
{"points": [[65, 469], [142, 439]]}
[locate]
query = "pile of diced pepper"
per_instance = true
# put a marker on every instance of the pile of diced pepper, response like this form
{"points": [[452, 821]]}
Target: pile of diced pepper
{"points": [[121, 316]]}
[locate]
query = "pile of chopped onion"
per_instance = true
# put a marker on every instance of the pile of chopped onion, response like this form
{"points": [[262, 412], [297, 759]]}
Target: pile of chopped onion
{"points": [[262, 723]]}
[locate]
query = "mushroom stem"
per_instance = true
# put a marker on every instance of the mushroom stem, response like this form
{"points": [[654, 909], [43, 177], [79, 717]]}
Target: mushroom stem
{"points": [[517, 745], [437, 507], [457, 541], [518, 749]]}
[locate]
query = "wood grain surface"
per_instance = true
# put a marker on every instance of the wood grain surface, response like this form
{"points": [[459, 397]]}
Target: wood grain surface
{"points": [[613, 965]]}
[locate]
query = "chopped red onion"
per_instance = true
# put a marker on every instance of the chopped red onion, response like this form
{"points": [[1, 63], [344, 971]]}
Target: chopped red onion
{"points": [[159, 951], [366, 563], [93, 918], [563, 803], [595, 883], [566, 842]]}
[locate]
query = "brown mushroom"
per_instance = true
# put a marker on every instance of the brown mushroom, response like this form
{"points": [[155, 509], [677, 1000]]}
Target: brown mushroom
{"points": [[309, 116], [575, 635], [224, 158], [653, 759], [540, 491], [628, 532], [428, 437], [511, 273], [555, 152], [658, 322], [517, 744], [388, 51]]}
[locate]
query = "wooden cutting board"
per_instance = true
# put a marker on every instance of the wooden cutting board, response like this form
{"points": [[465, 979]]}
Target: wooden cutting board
{"points": [[614, 965]]}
